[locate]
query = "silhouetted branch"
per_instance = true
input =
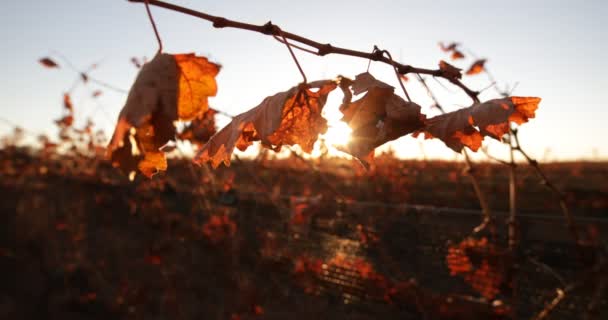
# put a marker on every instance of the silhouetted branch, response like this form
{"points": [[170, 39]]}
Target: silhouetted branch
{"points": [[322, 48]]}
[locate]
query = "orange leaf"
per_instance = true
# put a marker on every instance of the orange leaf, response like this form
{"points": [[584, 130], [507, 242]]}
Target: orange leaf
{"points": [[168, 88], [476, 67], [48, 62], [378, 117], [286, 118], [457, 55], [468, 126], [65, 121], [196, 84], [67, 102]]}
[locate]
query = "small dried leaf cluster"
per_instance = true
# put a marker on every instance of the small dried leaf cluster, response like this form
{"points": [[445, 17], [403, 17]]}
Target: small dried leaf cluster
{"points": [[483, 265]]}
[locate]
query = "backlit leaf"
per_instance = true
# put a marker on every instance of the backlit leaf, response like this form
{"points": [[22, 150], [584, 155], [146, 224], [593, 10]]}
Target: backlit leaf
{"points": [[168, 88], [468, 126], [456, 55], [378, 117], [286, 118], [476, 67]]}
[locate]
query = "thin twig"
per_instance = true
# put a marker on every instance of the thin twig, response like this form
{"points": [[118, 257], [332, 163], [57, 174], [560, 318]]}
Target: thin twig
{"points": [[562, 198], [483, 203], [160, 42], [549, 270], [293, 55], [322, 49], [430, 93], [388, 54]]}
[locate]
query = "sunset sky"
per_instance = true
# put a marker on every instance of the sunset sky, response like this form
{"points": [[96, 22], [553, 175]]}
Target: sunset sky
{"points": [[553, 49]]}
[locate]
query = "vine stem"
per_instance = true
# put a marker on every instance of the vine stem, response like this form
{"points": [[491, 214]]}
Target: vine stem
{"points": [[293, 55], [160, 42], [322, 49], [483, 203]]}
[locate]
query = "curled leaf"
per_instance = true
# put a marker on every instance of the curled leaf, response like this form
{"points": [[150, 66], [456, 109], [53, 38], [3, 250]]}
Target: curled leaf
{"points": [[476, 67], [378, 117], [286, 118], [168, 88], [48, 62], [457, 55], [201, 129], [468, 126], [449, 70]]}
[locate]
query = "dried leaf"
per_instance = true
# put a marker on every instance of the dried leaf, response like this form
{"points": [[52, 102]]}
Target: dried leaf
{"points": [[67, 102], [48, 62], [65, 121], [468, 126], [378, 117], [196, 83], [168, 88], [476, 67], [456, 55], [96, 93], [201, 129], [449, 70], [286, 118], [449, 47], [482, 264]]}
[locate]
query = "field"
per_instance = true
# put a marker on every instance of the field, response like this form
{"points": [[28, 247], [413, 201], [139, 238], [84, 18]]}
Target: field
{"points": [[273, 238]]}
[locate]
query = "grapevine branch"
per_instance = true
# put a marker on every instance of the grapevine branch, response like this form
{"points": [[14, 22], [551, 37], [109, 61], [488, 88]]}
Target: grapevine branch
{"points": [[322, 49], [483, 203]]}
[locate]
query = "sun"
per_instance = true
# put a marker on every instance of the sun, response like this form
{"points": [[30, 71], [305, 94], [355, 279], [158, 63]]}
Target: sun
{"points": [[338, 133]]}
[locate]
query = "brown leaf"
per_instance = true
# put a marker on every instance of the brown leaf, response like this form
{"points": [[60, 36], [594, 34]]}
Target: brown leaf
{"points": [[168, 88], [456, 55], [96, 93], [476, 67], [449, 70], [67, 102], [449, 47], [378, 117], [468, 126], [201, 129], [286, 118], [48, 62], [65, 121]]}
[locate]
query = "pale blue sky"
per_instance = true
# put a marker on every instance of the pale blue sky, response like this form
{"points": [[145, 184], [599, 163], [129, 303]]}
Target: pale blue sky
{"points": [[554, 49]]}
